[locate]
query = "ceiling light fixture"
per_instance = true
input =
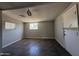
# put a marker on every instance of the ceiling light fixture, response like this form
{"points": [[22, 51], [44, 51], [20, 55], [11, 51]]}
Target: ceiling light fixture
{"points": [[29, 12]]}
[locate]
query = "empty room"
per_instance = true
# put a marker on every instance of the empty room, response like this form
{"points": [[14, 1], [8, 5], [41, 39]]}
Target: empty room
{"points": [[39, 29]]}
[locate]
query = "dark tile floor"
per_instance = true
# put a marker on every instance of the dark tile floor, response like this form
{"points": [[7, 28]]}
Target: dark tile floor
{"points": [[36, 47]]}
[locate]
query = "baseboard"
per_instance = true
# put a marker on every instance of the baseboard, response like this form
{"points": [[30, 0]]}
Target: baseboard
{"points": [[9, 44], [60, 43], [40, 37]]}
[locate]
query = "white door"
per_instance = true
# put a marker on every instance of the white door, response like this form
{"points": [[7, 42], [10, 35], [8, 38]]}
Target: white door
{"points": [[72, 41]]}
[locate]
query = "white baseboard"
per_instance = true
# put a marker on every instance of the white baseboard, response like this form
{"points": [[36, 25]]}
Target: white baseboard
{"points": [[60, 43], [9, 44], [41, 37]]}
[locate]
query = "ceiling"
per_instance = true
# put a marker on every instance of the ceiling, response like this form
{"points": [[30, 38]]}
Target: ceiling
{"points": [[41, 12], [17, 5]]}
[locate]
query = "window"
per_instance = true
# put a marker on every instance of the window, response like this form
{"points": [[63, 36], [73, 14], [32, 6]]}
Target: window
{"points": [[9, 25], [33, 26]]}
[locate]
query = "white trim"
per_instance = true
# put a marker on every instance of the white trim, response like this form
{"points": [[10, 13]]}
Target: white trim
{"points": [[9, 44], [60, 43], [41, 37]]}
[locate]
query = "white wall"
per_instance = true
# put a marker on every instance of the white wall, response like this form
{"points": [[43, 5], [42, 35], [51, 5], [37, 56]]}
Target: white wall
{"points": [[59, 35], [12, 35]]}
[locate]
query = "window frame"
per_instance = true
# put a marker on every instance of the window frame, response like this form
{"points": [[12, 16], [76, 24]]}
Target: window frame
{"points": [[33, 26], [9, 25]]}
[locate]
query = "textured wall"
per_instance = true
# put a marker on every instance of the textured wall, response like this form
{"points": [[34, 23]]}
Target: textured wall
{"points": [[45, 30]]}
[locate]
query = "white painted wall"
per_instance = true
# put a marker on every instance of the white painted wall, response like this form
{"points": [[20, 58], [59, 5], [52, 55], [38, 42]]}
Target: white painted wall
{"points": [[12, 35], [59, 35]]}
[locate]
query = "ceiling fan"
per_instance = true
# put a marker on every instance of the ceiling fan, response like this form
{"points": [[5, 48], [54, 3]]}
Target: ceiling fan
{"points": [[29, 13]]}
